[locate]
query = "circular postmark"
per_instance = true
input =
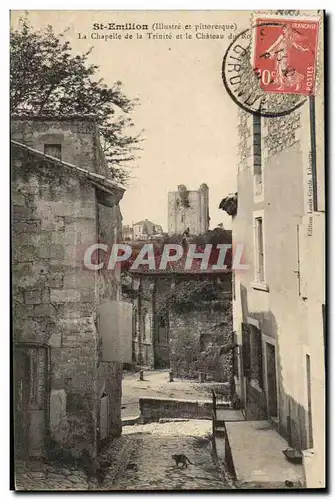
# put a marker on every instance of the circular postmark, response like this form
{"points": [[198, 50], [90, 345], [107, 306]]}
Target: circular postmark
{"points": [[243, 81]]}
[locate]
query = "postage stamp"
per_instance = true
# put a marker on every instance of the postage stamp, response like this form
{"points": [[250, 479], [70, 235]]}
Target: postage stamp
{"points": [[285, 55], [242, 80]]}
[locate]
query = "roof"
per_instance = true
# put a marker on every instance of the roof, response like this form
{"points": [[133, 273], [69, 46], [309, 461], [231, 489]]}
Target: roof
{"points": [[144, 222], [103, 182], [178, 267]]}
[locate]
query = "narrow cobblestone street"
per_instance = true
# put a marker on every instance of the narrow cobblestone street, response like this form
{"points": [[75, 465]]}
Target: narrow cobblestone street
{"points": [[151, 466], [140, 460]]}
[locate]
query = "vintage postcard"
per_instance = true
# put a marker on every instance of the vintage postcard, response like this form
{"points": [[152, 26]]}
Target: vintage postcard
{"points": [[168, 250]]}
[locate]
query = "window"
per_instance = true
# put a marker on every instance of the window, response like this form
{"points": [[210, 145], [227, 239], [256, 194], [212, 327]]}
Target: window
{"points": [[257, 155], [259, 249], [54, 150]]}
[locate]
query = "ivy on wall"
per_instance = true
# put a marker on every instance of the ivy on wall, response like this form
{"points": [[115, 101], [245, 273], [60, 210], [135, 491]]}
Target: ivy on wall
{"points": [[195, 294]]}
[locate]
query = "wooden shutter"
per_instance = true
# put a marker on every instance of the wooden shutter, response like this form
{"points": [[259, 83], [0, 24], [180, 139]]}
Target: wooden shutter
{"points": [[246, 349], [258, 340], [235, 357]]}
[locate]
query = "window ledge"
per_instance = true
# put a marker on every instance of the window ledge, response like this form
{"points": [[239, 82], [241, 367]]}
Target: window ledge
{"points": [[260, 286]]}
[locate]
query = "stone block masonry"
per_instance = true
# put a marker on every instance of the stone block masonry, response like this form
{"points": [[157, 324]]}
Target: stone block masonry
{"points": [[47, 278], [195, 340], [153, 409], [188, 210], [56, 215], [77, 137]]}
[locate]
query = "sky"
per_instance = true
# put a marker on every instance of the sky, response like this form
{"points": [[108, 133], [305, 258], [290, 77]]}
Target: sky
{"points": [[189, 120]]}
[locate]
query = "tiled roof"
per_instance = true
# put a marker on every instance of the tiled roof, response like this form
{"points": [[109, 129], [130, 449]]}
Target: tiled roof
{"points": [[178, 267]]}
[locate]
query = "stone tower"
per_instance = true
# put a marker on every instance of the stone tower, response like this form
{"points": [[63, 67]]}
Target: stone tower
{"points": [[188, 209]]}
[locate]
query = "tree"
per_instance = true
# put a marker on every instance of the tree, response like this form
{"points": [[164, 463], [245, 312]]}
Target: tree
{"points": [[46, 78]]}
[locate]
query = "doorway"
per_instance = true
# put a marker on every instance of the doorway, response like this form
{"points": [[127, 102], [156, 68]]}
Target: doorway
{"points": [[271, 375], [161, 342], [31, 398]]}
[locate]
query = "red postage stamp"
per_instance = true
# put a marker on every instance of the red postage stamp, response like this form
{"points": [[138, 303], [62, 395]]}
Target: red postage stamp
{"points": [[285, 55]]}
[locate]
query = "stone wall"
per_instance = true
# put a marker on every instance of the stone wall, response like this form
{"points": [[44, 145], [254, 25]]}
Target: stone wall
{"points": [[188, 209], [189, 331], [152, 409], [55, 217], [78, 137], [191, 336], [53, 297], [143, 325]]}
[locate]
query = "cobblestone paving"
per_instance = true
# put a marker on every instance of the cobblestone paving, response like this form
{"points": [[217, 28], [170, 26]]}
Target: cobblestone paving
{"points": [[36, 475], [139, 460], [150, 466], [156, 384]]}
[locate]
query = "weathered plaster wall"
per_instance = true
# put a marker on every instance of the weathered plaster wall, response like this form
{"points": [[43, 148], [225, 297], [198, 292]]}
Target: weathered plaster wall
{"points": [[109, 222], [282, 313]]}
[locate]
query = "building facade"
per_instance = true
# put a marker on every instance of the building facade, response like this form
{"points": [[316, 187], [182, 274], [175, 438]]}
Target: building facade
{"points": [[145, 230], [127, 233], [67, 378], [188, 211], [279, 301]]}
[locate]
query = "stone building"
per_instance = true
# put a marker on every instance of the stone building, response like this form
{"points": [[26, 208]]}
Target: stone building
{"points": [[67, 319], [177, 325], [127, 233], [279, 302], [145, 230], [188, 210]]}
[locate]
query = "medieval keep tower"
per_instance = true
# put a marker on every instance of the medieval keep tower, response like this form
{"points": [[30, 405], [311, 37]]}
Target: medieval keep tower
{"points": [[188, 209]]}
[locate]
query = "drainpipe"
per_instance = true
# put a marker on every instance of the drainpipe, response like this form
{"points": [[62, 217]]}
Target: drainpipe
{"points": [[313, 150]]}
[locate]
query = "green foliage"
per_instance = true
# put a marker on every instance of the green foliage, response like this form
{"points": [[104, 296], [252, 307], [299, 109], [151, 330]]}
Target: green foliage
{"points": [[190, 295], [213, 236], [46, 78]]}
